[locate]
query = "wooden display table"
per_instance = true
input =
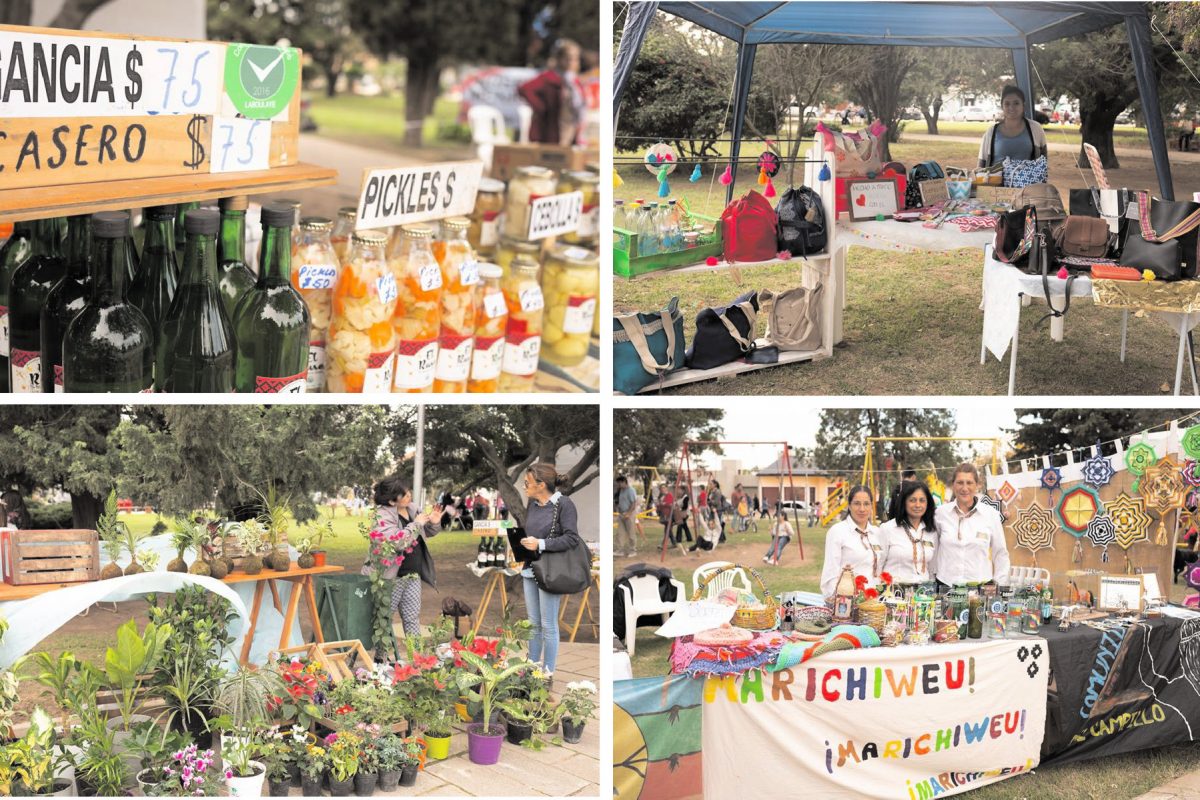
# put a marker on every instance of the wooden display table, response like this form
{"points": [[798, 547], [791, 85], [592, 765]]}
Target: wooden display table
{"points": [[303, 578]]}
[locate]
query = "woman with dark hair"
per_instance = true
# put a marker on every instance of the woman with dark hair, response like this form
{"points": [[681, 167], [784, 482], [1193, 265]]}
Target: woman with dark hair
{"points": [[398, 549], [909, 538], [1015, 136], [853, 542]]}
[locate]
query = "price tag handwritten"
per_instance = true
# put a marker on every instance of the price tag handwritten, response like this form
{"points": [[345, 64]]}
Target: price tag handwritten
{"points": [[387, 288], [494, 305], [468, 273], [240, 145], [317, 276], [531, 299], [430, 277]]}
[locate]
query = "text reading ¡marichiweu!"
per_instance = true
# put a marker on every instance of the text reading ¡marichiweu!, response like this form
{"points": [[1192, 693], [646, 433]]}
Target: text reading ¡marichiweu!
{"points": [[851, 684]]}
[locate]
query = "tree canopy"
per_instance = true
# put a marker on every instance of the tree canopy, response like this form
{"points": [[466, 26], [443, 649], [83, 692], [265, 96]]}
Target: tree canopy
{"points": [[650, 437], [1047, 431], [841, 439]]}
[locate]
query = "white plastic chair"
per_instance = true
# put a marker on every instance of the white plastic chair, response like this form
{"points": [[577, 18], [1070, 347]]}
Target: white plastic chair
{"points": [[1027, 576], [642, 600], [487, 131], [525, 120], [733, 578]]}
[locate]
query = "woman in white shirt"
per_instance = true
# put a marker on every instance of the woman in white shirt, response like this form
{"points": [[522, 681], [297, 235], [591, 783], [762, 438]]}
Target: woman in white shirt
{"points": [[781, 534], [909, 538], [971, 547], [853, 542]]}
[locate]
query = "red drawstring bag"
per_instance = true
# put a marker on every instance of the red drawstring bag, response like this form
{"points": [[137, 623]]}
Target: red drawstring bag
{"points": [[750, 228]]}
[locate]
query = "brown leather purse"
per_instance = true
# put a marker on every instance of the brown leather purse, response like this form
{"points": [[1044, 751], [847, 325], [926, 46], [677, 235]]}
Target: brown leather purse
{"points": [[1086, 237]]}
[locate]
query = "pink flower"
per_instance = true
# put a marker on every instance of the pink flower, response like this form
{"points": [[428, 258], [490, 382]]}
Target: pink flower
{"points": [[228, 774]]}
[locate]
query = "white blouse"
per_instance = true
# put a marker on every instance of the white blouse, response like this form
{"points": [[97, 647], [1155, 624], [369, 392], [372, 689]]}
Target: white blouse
{"points": [[904, 562], [970, 547], [845, 547]]}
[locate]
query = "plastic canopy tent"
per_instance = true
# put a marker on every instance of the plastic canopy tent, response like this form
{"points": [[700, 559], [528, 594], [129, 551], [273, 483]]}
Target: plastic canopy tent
{"points": [[1012, 26]]}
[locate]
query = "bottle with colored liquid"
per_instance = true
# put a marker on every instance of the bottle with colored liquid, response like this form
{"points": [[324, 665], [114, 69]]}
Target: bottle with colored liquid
{"points": [[66, 300], [30, 285]]}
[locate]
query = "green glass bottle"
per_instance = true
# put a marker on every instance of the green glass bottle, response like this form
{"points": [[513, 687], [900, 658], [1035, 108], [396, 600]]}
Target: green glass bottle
{"points": [[109, 346], [15, 252], [32, 281], [180, 231], [66, 300], [235, 278], [195, 345], [271, 323], [158, 273]]}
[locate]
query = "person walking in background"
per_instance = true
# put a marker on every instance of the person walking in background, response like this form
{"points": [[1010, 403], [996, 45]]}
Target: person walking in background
{"points": [[556, 97], [680, 515], [480, 508], [1186, 133], [625, 543]]}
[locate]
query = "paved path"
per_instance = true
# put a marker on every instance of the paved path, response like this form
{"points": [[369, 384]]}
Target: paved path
{"points": [[1176, 156], [1185, 787]]}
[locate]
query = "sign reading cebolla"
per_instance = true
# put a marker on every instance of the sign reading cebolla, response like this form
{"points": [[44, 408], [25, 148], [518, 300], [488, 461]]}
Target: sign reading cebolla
{"points": [[417, 194], [554, 215]]}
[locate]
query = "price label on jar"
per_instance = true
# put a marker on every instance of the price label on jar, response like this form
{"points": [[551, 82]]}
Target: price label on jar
{"points": [[387, 288], [494, 305], [554, 215], [293, 384], [589, 222], [468, 272], [454, 357], [581, 310], [489, 229], [531, 299], [521, 353], [316, 366], [378, 377], [415, 363], [488, 357], [430, 277], [317, 276]]}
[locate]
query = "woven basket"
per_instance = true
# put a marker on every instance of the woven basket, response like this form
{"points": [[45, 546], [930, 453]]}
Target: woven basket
{"points": [[872, 613], [763, 619]]}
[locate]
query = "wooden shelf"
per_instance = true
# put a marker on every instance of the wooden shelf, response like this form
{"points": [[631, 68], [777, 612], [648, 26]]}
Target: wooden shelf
{"points": [[61, 201], [733, 368]]}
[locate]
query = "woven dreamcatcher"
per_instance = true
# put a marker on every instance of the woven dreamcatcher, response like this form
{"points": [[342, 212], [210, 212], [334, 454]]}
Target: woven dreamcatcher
{"points": [[1035, 529], [1163, 489], [1052, 481], [1131, 522], [1006, 493], [769, 163], [1098, 470], [1139, 458], [1075, 510], [1190, 442], [1101, 532], [988, 500], [1190, 472]]}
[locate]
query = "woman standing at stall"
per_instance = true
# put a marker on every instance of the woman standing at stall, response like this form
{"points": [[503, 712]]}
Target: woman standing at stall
{"points": [[398, 548], [1015, 136], [909, 538], [853, 542], [971, 547]]}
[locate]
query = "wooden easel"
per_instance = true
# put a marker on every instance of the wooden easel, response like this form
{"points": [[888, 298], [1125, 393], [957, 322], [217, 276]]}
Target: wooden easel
{"points": [[584, 605], [495, 579]]}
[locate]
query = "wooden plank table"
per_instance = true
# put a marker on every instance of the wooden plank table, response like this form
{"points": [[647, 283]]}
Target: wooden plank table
{"points": [[303, 584]]}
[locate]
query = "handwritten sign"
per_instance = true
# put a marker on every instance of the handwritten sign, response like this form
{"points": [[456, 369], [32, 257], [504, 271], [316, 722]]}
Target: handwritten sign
{"points": [[417, 194], [554, 215], [240, 145], [933, 191], [491, 527], [869, 198]]}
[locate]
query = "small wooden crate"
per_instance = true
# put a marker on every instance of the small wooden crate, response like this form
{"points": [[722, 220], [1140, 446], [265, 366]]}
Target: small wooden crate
{"points": [[341, 659], [52, 556]]}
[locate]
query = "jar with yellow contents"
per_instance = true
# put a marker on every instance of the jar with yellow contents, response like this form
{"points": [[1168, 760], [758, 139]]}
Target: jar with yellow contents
{"points": [[460, 276], [484, 233], [508, 249], [418, 309], [587, 234], [523, 333], [315, 268], [491, 322], [347, 218], [361, 346], [571, 286], [527, 185]]}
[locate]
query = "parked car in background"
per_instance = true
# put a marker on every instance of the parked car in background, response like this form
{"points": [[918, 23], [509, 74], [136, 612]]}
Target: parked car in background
{"points": [[974, 114], [1124, 118]]}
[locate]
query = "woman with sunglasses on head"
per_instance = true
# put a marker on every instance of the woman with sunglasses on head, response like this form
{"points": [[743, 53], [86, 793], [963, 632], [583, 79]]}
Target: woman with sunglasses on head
{"points": [[909, 538], [853, 542]]}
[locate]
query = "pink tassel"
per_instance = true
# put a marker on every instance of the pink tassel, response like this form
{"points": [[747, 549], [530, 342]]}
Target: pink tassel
{"points": [[1063, 274], [726, 176], [770, 192]]}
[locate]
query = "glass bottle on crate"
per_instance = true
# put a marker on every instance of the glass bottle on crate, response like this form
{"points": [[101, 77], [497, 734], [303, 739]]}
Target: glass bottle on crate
{"points": [[270, 326], [66, 300], [180, 232], [109, 346], [418, 316], [154, 286], [315, 268], [361, 346], [347, 217], [523, 333], [234, 278], [30, 285], [491, 321], [456, 336], [14, 252], [195, 350]]}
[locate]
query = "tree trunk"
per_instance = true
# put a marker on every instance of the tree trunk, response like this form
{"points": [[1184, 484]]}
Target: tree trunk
{"points": [[1096, 127], [86, 509], [931, 115], [15, 509], [420, 81], [331, 75], [75, 12]]}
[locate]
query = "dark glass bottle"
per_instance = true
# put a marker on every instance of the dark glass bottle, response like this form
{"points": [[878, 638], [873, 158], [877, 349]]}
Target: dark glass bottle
{"points": [[195, 343], [66, 300], [271, 323], [235, 278], [158, 273], [15, 252], [109, 346], [180, 231], [32, 281], [481, 554]]}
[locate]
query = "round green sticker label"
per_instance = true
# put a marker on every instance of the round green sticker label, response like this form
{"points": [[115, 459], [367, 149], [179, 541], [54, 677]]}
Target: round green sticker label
{"points": [[260, 80]]}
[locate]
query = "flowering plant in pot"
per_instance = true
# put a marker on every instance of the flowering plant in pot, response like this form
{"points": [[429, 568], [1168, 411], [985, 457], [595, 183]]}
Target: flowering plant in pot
{"points": [[275, 752], [304, 683], [577, 705], [410, 749], [244, 772], [313, 766], [312, 544], [343, 750], [392, 756], [481, 685], [154, 746], [367, 776], [187, 771], [528, 716]]}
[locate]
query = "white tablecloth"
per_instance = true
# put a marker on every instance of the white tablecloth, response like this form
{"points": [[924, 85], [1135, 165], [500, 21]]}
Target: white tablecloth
{"points": [[1003, 286], [909, 237]]}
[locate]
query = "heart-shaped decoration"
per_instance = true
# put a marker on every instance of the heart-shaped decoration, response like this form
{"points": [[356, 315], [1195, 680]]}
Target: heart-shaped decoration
{"points": [[861, 200]]}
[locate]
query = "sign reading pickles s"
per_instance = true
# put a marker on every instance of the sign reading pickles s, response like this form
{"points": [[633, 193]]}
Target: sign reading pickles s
{"points": [[260, 80], [417, 194]]}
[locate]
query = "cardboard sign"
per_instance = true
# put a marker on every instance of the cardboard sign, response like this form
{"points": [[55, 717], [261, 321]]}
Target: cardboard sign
{"points": [[995, 194], [417, 194], [491, 527], [933, 191], [869, 198], [554, 215]]}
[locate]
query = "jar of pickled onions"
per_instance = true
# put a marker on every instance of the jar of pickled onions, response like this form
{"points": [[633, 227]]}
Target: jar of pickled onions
{"points": [[508, 249], [460, 276], [491, 321], [315, 268], [361, 345], [419, 308], [571, 286], [588, 233], [527, 185], [484, 233], [523, 333], [347, 218]]}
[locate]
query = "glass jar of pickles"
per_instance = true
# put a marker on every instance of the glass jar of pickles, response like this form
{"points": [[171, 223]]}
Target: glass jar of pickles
{"points": [[508, 249], [347, 218], [460, 276], [527, 185], [588, 233], [571, 285], [491, 321], [315, 268], [523, 333], [484, 233], [419, 307], [361, 345]]}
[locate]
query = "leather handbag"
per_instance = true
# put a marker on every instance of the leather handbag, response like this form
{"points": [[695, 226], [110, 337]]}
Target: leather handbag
{"points": [[723, 334], [1015, 232], [1086, 237], [1046, 199], [793, 318], [1165, 239], [563, 571], [646, 347]]}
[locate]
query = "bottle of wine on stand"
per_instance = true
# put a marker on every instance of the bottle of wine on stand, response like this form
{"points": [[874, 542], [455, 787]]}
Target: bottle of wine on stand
{"points": [[195, 344], [180, 237], [481, 554], [15, 252], [30, 284], [235, 278], [66, 300], [271, 323], [154, 286], [109, 346]]}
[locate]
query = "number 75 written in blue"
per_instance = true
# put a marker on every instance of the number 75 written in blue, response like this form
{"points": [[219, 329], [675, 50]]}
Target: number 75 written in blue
{"points": [[247, 149]]}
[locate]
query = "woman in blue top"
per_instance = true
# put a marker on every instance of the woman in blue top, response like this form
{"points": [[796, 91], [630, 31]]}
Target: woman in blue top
{"points": [[1015, 136], [546, 504]]}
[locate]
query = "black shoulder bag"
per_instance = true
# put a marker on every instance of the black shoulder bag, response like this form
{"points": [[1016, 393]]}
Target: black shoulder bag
{"points": [[564, 571]]}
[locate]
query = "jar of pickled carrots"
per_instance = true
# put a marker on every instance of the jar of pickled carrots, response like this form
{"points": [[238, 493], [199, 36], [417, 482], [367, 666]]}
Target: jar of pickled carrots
{"points": [[508, 249], [527, 185], [523, 333], [460, 276], [419, 308], [571, 287], [347, 218], [491, 322], [361, 345], [588, 233], [315, 268], [484, 233]]}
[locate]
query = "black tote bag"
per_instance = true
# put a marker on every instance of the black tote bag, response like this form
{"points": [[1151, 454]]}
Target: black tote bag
{"points": [[1165, 239], [564, 571]]}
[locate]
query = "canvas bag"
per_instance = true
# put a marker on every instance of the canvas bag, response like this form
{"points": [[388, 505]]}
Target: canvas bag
{"points": [[1019, 173], [723, 333], [750, 228], [793, 317], [1164, 240], [646, 347], [856, 154], [801, 216]]}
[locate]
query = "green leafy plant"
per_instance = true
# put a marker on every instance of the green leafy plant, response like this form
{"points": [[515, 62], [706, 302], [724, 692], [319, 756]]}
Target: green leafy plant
{"points": [[114, 535], [579, 702], [133, 657], [381, 599], [343, 749], [99, 764], [147, 559], [182, 538], [153, 744], [391, 753], [537, 710], [482, 685], [55, 674], [410, 752], [35, 758], [315, 762]]}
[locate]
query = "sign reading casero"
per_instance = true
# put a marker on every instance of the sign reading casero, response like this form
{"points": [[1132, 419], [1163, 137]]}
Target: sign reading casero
{"points": [[554, 215], [417, 194]]}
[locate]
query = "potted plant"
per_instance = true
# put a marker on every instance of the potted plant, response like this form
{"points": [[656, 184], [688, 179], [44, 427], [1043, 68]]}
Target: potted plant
{"points": [[274, 519], [275, 753], [36, 759], [411, 761], [125, 669], [535, 714], [484, 738], [297, 740], [391, 755], [305, 560], [367, 776], [186, 771], [313, 767], [343, 749], [244, 774], [153, 745], [577, 705], [302, 680], [243, 697], [101, 769], [320, 531], [181, 540], [250, 536], [111, 532]]}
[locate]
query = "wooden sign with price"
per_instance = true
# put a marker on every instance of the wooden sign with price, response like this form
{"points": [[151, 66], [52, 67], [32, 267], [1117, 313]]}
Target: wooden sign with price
{"points": [[83, 107]]}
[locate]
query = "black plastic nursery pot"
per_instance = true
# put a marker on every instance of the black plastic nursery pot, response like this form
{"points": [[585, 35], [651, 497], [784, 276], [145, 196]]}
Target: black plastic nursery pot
{"points": [[278, 788], [311, 787], [519, 731], [572, 732], [389, 779], [408, 775], [340, 788], [365, 782]]}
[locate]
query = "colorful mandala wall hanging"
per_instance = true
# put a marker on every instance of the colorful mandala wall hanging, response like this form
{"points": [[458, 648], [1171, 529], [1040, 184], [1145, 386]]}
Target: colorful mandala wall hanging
{"points": [[1190, 442], [988, 500], [1006, 493], [1139, 458], [1101, 532], [1098, 471], [1190, 471], [1131, 521], [1052, 480], [1163, 489], [1075, 510], [1035, 529]]}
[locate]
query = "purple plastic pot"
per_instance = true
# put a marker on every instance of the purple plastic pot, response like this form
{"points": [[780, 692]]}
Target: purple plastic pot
{"points": [[483, 746]]}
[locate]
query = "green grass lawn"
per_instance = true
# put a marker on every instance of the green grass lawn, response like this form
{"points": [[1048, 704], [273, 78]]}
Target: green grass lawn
{"points": [[1123, 135], [379, 121]]}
